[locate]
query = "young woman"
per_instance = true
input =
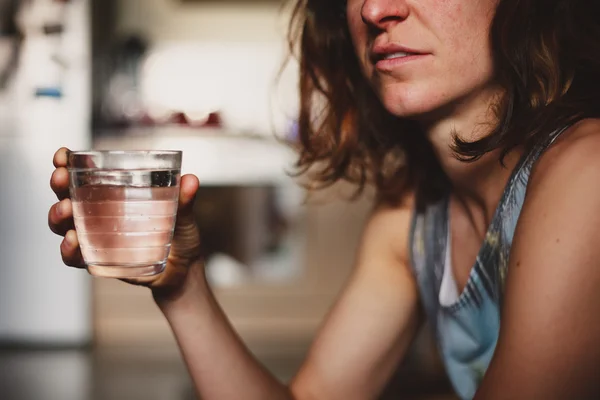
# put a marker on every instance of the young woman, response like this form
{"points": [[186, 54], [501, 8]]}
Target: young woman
{"points": [[477, 122]]}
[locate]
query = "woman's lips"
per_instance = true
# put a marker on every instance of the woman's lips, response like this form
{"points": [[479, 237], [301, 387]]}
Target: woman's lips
{"points": [[387, 57], [397, 60]]}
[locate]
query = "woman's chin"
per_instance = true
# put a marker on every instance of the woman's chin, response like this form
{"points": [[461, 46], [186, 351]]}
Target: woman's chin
{"points": [[418, 108], [406, 111], [410, 106]]}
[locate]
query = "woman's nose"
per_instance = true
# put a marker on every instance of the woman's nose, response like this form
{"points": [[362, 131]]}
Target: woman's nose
{"points": [[382, 13]]}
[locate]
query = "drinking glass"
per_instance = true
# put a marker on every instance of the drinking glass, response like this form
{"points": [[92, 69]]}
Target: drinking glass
{"points": [[124, 207]]}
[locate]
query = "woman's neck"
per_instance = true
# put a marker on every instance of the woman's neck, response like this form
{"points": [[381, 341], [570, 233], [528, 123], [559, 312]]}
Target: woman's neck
{"points": [[479, 184]]}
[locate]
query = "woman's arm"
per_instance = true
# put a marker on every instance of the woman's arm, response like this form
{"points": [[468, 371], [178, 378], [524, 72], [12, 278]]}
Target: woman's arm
{"points": [[549, 345], [358, 348]]}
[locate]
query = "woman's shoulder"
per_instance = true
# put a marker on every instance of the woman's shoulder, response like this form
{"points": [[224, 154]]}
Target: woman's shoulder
{"points": [[572, 158], [566, 178], [553, 271], [581, 134]]}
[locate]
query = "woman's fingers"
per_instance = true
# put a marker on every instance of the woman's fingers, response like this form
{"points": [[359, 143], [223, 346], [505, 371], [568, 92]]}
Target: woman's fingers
{"points": [[70, 251], [59, 182], [60, 157], [60, 217]]}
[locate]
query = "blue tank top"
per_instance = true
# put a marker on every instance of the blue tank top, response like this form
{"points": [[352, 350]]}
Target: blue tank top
{"points": [[467, 329]]}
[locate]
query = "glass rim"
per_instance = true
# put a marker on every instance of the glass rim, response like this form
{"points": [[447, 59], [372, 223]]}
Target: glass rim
{"points": [[124, 159], [124, 152]]}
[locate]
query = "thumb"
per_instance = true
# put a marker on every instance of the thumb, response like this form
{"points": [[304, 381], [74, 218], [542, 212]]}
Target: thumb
{"points": [[188, 190], [186, 237]]}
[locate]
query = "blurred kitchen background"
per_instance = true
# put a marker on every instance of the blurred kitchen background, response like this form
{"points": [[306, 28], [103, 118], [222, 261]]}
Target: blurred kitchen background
{"points": [[203, 76]]}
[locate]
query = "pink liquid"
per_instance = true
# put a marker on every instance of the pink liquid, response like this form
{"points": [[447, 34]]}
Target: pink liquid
{"points": [[125, 227]]}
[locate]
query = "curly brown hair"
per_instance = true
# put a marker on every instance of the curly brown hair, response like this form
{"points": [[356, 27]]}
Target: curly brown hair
{"points": [[547, 59]]}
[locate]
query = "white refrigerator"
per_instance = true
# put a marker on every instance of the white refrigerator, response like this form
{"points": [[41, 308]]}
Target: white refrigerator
{"points": [[42, 302]]}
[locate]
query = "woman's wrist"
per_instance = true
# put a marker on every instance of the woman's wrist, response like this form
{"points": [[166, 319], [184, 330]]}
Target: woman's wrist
{"points": [[192, 290]]}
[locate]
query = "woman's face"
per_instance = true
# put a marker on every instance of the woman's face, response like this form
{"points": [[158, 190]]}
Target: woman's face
{"points": [[424, 57]]}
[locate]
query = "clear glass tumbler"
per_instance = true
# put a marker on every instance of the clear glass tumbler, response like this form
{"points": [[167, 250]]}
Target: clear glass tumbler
{"points": [[124, 206]]}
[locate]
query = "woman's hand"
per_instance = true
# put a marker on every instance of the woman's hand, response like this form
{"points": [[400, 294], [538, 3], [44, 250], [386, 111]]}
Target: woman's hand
{"points": [[185, 249]]}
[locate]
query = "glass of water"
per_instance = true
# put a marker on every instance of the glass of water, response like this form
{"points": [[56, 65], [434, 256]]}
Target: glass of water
{"points": [[124, 207]]}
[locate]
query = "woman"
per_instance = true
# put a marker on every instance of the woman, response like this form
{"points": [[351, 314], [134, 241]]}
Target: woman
{"points": [[478, 123]]}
